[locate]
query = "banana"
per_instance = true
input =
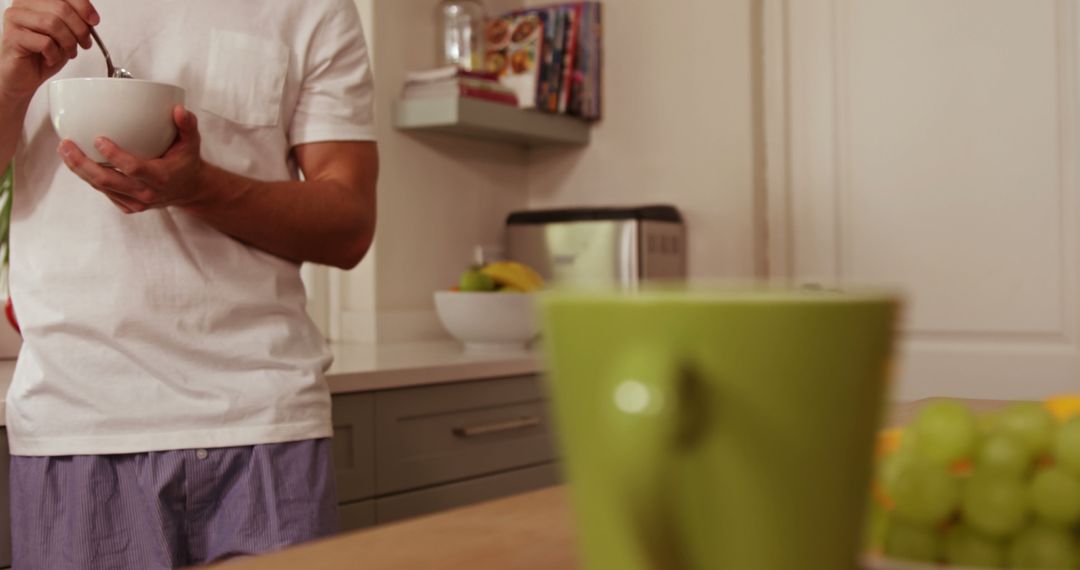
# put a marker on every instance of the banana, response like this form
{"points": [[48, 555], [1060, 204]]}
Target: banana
{"points": [[514, 274]]}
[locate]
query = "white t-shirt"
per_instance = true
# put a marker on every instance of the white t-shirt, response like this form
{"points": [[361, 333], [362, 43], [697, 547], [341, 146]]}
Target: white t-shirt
{"points": [[155, 331]]}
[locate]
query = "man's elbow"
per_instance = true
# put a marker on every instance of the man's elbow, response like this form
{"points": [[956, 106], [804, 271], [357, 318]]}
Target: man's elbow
{"points": [[358, 232], [352, 256], [355, 249]]}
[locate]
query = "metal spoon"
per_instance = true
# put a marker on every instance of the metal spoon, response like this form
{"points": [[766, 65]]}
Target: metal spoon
{"points": [[113, 71]]}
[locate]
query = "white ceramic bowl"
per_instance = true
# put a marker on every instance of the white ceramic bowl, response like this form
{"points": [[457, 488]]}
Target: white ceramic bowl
{"points": [[135, 114], [488, 322]]}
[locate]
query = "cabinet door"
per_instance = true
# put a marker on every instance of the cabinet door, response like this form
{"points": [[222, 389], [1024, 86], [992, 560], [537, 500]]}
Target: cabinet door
{"points": [[915, 144], [355, 516], [453, 495], [354, 446], [436, 434]]}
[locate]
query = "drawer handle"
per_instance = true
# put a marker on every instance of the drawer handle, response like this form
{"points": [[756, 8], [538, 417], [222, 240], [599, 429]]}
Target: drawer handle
{"points": [[498, 427]]}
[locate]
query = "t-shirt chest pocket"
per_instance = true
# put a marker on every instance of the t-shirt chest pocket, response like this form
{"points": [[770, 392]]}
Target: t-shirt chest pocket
{"points": [[245, 78]]}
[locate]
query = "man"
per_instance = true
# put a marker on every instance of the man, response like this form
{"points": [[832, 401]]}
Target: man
{"points": [[169, 406]]}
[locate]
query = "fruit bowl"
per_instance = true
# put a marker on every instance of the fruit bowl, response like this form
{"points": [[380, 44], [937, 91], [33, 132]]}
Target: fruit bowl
{"points": [[488, 322]]}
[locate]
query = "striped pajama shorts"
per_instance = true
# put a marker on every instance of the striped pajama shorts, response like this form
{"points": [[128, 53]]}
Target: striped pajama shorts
{"points": [[169, 509]]}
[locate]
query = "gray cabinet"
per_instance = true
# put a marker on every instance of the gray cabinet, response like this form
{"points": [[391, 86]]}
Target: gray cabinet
{"points": [[354, 446], [413, 451], [439, 434], [426, 501], [355, 516]]}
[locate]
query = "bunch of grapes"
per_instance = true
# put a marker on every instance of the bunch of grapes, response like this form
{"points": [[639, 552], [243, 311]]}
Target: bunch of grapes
{"points": [[1000, 490]]}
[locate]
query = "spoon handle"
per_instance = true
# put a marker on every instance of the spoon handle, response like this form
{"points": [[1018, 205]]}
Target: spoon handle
{"points": [[104, 50]]}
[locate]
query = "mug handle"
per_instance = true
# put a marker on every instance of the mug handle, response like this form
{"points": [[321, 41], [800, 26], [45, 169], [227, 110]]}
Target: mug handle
{"points": [[662, 413]]}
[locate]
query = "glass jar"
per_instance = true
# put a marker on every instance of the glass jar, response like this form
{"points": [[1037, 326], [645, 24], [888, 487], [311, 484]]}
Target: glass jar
{"points": [[461, 33]]}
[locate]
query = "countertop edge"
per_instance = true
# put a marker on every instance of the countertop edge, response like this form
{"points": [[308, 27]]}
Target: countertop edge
{"points": [[368, 367], [352, 382]]}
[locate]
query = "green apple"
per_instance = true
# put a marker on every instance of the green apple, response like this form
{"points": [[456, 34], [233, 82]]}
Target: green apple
{"points": [[474, 280]]}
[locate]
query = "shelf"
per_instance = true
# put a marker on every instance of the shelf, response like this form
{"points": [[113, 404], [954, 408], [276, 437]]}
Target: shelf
{"points": [[492, 121]]}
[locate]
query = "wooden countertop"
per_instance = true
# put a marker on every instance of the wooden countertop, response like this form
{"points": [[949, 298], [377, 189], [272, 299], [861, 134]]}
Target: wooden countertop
{"points": [[527, 532]]}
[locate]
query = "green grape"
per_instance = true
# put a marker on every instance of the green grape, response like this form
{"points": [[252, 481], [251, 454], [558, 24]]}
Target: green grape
{"points": [[905, 541], [876, 527], [994, 505], [988, 422], [966, 547], [1055, 496], [892, 466], [945, 431], [908, 442], [1003, 454], [1067, 446], [925, 493], [1044, 548], [1030, 422]]}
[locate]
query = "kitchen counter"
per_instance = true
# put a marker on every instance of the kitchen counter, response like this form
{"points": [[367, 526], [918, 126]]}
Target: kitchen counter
{"points": [[525, 532], [364, 367], [361, 367]]}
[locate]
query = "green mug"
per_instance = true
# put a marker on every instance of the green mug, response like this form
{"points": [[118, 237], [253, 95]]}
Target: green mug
{"points": [[729, 430]]}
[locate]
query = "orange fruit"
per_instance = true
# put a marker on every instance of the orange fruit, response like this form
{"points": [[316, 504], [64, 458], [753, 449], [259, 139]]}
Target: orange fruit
{"points": [[1064, 407]]}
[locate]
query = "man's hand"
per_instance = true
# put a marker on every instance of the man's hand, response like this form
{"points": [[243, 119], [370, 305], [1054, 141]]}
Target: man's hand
{"points": [[39, 38], [327, 218], [137, 185]]}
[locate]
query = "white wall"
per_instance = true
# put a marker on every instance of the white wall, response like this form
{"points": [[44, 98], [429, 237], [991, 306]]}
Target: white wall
{"points": [[438, 196], [680, 126]]}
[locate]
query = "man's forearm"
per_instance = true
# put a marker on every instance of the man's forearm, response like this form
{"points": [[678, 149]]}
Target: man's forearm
{"points": [[329, 218], [315, 220]]}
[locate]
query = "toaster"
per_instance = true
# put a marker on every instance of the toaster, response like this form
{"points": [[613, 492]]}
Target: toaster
{"points": [[619, 246]]}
